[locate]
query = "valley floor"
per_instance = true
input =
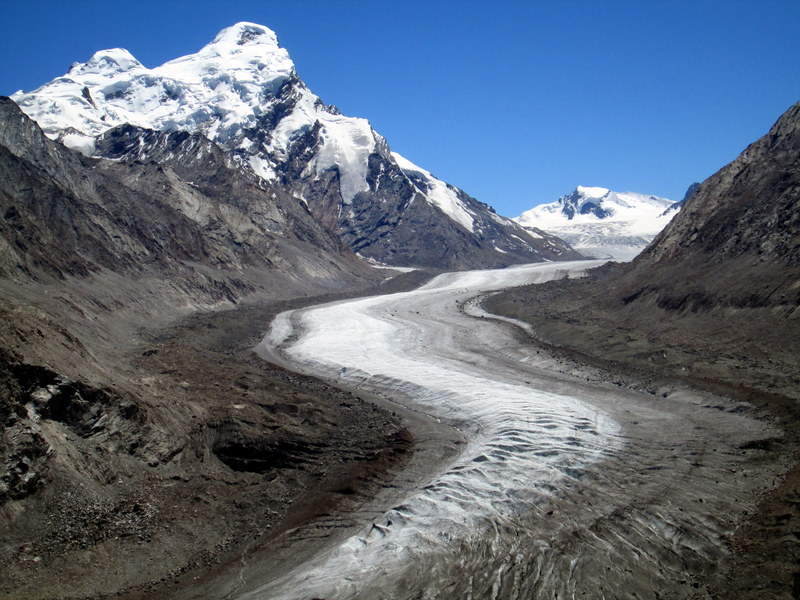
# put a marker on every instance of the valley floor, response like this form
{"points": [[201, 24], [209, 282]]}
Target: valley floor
{"points": [[209, 518], [575, 480]]}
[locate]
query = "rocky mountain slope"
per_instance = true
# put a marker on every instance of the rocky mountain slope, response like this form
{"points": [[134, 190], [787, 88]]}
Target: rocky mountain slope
{"points": [[142, 243], [130, 427], [602, 223], [242, 92], [69, 215], [734, 248]]}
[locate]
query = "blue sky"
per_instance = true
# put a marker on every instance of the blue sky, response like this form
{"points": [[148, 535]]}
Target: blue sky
{"points": [[514, 102]]}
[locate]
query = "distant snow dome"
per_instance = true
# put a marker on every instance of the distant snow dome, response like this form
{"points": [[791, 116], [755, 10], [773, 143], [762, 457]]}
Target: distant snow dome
{"points": [[602, 223]]}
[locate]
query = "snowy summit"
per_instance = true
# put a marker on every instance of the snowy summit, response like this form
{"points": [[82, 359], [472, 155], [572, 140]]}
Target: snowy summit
{"points": [[224, 92], [242, 92], [601, 223], [219, 92]]}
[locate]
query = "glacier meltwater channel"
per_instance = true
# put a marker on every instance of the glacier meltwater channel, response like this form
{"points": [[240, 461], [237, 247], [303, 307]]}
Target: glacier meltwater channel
{"points": [[484, 524]]}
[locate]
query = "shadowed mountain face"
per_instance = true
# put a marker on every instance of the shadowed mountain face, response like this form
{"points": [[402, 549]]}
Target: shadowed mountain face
{"points": [[736, 242], [93, 252], [242, 92], [193, 216]]}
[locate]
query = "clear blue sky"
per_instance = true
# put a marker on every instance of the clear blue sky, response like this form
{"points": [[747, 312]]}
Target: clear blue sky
{"points": [[514, 102]]}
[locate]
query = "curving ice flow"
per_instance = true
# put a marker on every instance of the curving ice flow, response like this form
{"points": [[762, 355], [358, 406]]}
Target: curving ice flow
{"points": [[546, 458]]}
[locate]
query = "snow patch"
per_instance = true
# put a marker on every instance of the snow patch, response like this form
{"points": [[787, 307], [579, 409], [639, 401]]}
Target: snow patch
{"points": [[346, 144], [592, 192], [439, 194]]}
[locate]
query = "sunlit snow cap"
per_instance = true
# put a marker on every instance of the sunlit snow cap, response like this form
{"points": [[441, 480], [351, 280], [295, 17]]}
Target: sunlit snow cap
{"points": [[245, 34], [592, 192], [113, 60]]}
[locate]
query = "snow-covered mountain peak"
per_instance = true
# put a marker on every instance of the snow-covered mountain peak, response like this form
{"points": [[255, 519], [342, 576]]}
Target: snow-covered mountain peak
{"points": [[245, 34], [601, 222], [239, 87], [588, 204], [242, 92], [592, 192], [244, 52], [218, 91], [107, 63]]}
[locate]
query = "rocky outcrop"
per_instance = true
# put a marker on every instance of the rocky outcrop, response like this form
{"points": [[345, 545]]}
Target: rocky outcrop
{"points": [[30, 396], [690, 191]]}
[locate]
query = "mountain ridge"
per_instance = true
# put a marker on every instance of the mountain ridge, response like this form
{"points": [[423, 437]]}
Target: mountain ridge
{"points": [[242, 91], [192, 215]]}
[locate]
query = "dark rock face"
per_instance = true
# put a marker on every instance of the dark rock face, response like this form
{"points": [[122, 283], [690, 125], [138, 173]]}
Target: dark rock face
{"points": [[391, 223], [394, 223], [31, 395], [690, 191], [186, 207], [258, 454]]}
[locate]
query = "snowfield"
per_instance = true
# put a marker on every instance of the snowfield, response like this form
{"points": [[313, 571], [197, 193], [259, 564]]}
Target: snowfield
{"points": [[562, 484]]}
